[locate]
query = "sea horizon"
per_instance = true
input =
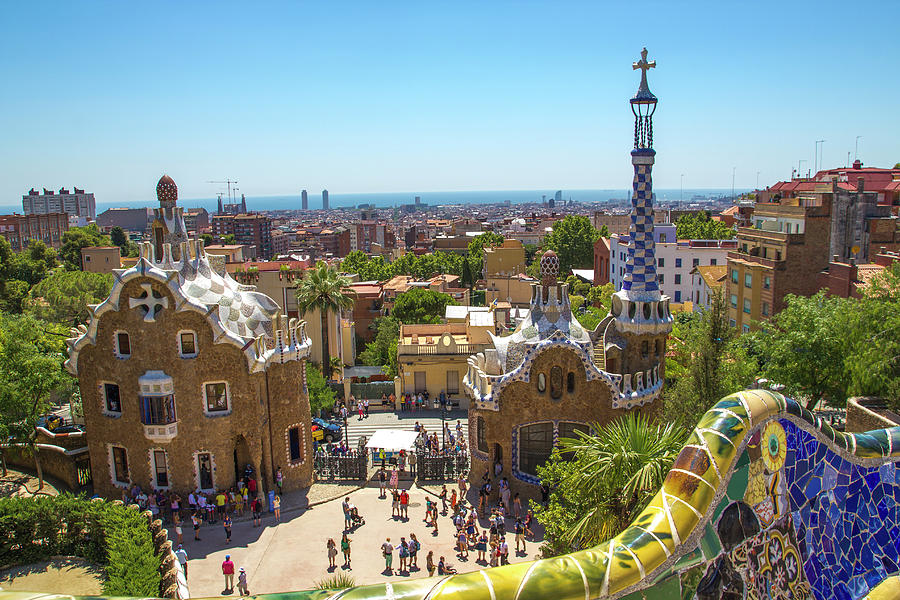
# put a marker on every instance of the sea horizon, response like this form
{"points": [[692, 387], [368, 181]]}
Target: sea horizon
{"points": [[391, 199]]}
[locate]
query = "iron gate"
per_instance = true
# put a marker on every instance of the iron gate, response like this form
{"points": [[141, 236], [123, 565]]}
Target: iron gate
{"points": [[442, 467], [351, 466]]}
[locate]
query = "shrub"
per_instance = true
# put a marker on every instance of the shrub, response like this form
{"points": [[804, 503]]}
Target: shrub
{"points": [[33, 529], [336, 582]]}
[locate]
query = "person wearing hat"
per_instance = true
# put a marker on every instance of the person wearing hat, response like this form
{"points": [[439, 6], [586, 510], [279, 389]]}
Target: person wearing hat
{"points": [[242, 583], [181, 555], [228, 572]]}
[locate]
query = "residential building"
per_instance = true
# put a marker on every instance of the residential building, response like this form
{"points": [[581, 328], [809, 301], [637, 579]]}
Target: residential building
{"points": [[19, 230], [254, 230], [783, 253], [602, 267], [129, 219], [366, 235], [433, 358], [505, 260], [848, 279], [233, 253], [516, 290], [76, 203], [188, 377], [674, 259], [705, 281], [196, 220], [367, 306], [101, 259]]}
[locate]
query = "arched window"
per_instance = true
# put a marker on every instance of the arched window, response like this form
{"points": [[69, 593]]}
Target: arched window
{"points": [[535, 446], [480, 435], [541, 382], [570, 382], [556, 383]]}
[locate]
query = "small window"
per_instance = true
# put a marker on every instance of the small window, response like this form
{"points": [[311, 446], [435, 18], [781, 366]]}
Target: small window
{"points": [[453, 382], [732, 323], [216, 395], [556, 382], [158, 410], [204, 471], [765, 309], [111, 400], [661, 261], [734, 276], [747, 305], [677, 263], [570, 382], [160, 469], [481, 436], [120, 465], [734, 301], [696, 262], [541, 382], [677, 295], [123, 344], [662, 279], [748, 280], [294, 444], [658, 346], [745, 329], [187, 344], [713, 261], [677, 279], [662, 240], [767, 282]]}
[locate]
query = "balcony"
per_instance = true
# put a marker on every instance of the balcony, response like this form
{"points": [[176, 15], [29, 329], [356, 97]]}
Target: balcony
{"points": [[161, 433], [436, 349]]}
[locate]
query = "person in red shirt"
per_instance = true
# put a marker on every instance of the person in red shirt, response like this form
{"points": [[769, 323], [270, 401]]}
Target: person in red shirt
{"points": [[404, 505], [228, 572], [251, 485]]}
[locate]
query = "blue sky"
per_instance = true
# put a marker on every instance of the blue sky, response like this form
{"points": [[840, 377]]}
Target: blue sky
{"points": [[376, 97]]}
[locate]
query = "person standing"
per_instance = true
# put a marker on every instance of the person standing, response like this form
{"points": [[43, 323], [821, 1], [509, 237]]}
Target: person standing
{"points": [[331, 549], [366, 407], [181, 555], [520, 535], [462, 485], [429, 563], [443, 498], [228, 572], [517, 506], [226, 523], [195, 520], [388, 552], [382, 481], [243, 586], [403, 551], [481, 546], [345, 548], [504, 551], [414, 547], [395, 478], [404, 505], [395, 503], [346, 506], [279, 480], [256, 509], [179, 532], [276, 508], [359, 409]]}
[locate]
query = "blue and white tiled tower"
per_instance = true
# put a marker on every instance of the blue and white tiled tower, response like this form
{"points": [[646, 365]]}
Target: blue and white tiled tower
{"points": [[639, 307]]}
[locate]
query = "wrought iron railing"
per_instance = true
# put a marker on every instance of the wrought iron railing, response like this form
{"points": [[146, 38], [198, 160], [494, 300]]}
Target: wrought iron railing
{"points": [[351, 466], [441, 467]]}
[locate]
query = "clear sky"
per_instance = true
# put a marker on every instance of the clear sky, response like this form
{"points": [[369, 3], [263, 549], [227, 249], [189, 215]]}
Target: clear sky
{"points": [[425, 96]]}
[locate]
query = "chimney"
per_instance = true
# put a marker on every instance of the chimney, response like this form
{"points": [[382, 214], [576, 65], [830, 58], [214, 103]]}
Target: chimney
{"points": [[857, 164], [860, 184]]}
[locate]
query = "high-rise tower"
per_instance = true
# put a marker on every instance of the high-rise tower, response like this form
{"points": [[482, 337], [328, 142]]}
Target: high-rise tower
{"points": [[304, 200], [324, 199], [641, 311]]}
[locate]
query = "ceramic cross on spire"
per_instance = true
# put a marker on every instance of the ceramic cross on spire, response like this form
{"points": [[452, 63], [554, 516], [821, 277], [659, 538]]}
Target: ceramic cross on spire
{"points": [[644, 65]]}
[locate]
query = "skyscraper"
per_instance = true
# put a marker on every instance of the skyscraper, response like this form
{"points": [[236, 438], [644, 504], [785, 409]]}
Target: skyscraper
{"points": [[324, 199], [304, 200], [243, 204]]}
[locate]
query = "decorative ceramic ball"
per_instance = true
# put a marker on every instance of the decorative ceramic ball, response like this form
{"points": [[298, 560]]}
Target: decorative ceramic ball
{"points": [[549, 268], [166, 190]]}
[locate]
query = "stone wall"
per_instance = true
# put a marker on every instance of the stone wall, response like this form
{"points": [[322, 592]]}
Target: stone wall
{"points": [[867, 414], [54, 463]]}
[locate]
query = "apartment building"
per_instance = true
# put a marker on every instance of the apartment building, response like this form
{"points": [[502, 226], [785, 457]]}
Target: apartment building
{"points": [[76, 203], [253, 230], [21, 229]]}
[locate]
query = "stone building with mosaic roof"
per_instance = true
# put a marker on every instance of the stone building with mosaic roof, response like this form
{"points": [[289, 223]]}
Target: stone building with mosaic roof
{"points": [[551, 376], [188, 376]]}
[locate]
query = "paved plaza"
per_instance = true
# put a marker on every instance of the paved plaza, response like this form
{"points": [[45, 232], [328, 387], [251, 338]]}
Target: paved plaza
{"points": [[406, 420], [292, 555]]}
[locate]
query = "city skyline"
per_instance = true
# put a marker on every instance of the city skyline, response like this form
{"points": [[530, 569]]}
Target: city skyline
{"points": [[505, 97]]}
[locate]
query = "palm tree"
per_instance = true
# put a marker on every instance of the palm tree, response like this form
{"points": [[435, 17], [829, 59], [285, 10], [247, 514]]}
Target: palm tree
{"points": [[618, 469], [325, 289]]}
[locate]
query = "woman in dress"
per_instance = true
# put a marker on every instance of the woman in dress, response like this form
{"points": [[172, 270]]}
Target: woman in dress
{"points": [[481, 546], [395, 478], [332, 552], [345, 548]]}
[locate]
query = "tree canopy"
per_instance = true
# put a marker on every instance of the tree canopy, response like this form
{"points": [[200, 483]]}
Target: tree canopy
{"points": [[19, 271], [64, 296], [320, 395], [77, 238], [573, 240], [420, 305], [376, 268], [382, 350], [324, 289], [700, 227], [126, 247]]}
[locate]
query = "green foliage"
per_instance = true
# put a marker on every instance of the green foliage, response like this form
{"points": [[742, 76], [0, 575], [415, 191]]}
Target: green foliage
{"points": [[601, 295], [475, 256], [573, 240], [382, 351], [228, 239], [610, 478], [375, 268], [325, 290], [466, 278], [336, 581], [604, 231], [700, 227], [37, 528], [19, 271], [420, 305], [126, 247], [207, 239], [590, 316], [706, 363], [531, 251], [577, 286], [320, 395], [77, 238], [63, 297]]}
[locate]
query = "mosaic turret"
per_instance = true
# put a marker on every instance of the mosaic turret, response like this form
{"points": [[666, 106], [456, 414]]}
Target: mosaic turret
{"points": [[168, 220]]}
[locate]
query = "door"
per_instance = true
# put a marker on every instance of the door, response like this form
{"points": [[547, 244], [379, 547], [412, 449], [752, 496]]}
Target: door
{"points": [[420, 381]]}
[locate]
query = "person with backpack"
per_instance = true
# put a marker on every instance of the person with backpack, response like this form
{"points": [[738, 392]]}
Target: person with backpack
{"points": [[403, 551], [387, 550], [414, 547]]}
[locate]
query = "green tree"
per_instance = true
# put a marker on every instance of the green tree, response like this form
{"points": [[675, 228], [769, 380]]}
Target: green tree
{"points": [[64, 296], [531, 251], [609, 479], [382, 350], [119, 238], [207, 239], [573, 240], [706, 363], [228, 239], [466, 278], [19, 271], [476, 251], [325, 290], [420, 305], [77, 238], [807, 343], [700, 227], [31, 367], [604, 231], [601, 295], [321, 396]]}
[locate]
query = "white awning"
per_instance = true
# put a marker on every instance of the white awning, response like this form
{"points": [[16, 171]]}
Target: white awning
{"points": [[393, 440]]}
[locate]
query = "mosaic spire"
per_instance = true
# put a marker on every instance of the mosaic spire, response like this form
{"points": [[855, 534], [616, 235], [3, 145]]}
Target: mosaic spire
{"points": [[640, 266]]}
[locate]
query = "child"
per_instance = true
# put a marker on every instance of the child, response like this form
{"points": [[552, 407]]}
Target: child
{"points": [[242, 583]]}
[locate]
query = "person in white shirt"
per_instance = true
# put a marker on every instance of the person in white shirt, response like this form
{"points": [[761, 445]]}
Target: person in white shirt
{"points": [[181, 555]]}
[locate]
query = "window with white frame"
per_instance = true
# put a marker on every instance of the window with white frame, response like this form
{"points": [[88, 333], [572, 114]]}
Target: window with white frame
{"points": [[187, 344], [122, 344], [160, 465], [112, 402], [216, 398], [119, 466]]}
